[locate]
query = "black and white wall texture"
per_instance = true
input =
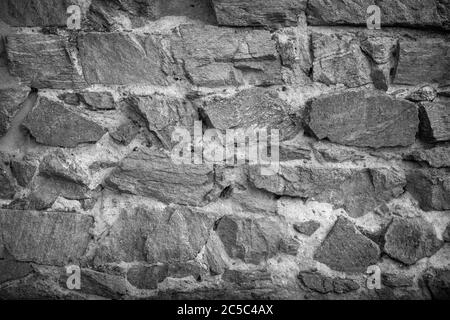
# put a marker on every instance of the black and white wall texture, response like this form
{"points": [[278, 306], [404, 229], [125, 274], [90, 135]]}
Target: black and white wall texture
{"points": [[224, 149]]}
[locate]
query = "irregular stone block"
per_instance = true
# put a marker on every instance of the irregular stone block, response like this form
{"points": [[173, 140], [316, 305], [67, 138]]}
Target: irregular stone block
{"points": [[153, 174], [252, 240], [125, 133], [53, 124], [438, 282], [408, 13], [257, 13], [437, 157], [338, 59], [434, 121], [446, 234], [98, 100], [431, 187], [24, 171], [363, 119], [10, 103], [137, 59], [44, 61], [425, 60], [250, 110], [45, 238], [214, 57], [357, 190], [393, 280], [346, 249], [307, 228], [422, 93], [7, 183], [250, 279], [11, 270], [147, 277], [322, 284], [409, 240]]}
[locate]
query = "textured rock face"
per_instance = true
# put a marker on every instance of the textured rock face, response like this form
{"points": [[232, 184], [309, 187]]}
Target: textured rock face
{"points": [[435, 121], [438, 282], [51, 123], [258, 13], [364, 119], [437, 157], [409, 240], [322, 284], [7, 184], [11, 99], [347, 250]]}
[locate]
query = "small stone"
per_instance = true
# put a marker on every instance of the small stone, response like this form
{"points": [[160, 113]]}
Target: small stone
{"points": [[98, 100], [437, 157], [53, 124], [438, 282], [393, 280], [434, 121], [147, 277], [247, 278], [446, 235], [23, 171], [125, 133], [316, 282], [342, 286], [409, 240], [11, 101], [422, 93], [70, 98], [307, 228], [345, 249], [7, 184]]}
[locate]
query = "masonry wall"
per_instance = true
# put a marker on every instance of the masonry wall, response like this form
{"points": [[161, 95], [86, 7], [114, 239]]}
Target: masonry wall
{"points": [[87, 117]]}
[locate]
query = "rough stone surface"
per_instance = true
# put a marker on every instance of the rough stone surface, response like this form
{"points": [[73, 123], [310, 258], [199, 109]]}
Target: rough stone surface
{"points": [[438, 282], [307, 228], [147, 277], [11, 100], [46, 238], [53, 124], [393, 280], [437, 157], [363, 119], [23, 170], [435, 121], [446, 235], [347, 250], [7, 184], [409, 240], [270, 13], [98, 100]]}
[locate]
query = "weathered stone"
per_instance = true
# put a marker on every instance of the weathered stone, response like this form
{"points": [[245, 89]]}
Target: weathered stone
{"points": [[363, 119], [137, 59], [322, 284], [250, 110], [53, 124], [437, 157], [438, 282], [7, 184], [216, 255], [23, 171], [307, 228], [431, 187], [426, 60], [357, 190], [125, 133], [434, 121], [188, 269], [153, 174], [11, 270], [410, 13], [70, 98], [267, 13], [346, 249], [342, 286], [338, 59], [422, 93], [215, 57], [102, 284], [393, 280], [252, 240], [446, 234], [10, 103], [409, 240], [163, 115], [44, 61], [147, 277], [45, 238], [98, 100], [328, 152], [247, 278]]}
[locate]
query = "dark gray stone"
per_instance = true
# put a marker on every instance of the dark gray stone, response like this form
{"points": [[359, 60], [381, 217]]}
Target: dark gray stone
{"points": [[393, 280], [322, 284], [438, 282], [98, 100], [409, 240], [446, 235], [10, 104], [435, 121], [346, 249], [53, 124], [24, 171], [307, 228], [437, 157], [125, 133], [8, 186], [147, 277]]}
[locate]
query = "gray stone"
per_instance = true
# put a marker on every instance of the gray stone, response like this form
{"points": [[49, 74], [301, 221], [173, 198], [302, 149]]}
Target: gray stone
{"points": [[250, 110], [422, 93], [98, 100], [338, 59], [137, 59], [435, 121], [342, 286], [438, 282], [322, 284], [125, 133], [363, 119], [409, 240], [147, 277], [409, 13], [153, 174], [258, 13], [346, 249], [45, 238], [431, 187], [357, 190], [44, 61], [70, 98], [23, 171], [215, 57], [446, 234], [247, 278], [11, 270], [437, 157], [425, 60], [10, 104], [53, 124], [8, 186], [307, 228], [393, 280]]}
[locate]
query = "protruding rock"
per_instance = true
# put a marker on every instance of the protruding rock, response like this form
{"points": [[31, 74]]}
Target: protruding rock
{"points": [[435, 121], [422, 93], [45, 238], [409, 240], [307, 228], [266, 13], [346, 249], [437, 157], [147, 277], [53, 124], [363, 119]]}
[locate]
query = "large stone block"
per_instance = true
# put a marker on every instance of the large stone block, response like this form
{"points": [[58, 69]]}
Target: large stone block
{"points": [[409, 13], [435, 121], [363, 119], [256, 13], [53, 124], [44, 61], [46, 238], [216, 57]]}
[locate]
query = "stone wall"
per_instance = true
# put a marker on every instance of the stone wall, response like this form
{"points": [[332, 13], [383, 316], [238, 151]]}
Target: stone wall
{"points": [[87, 116]]}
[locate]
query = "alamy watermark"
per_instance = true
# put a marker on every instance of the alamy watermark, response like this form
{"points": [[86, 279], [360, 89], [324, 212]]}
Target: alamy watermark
{"points": [[374, 19]]}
